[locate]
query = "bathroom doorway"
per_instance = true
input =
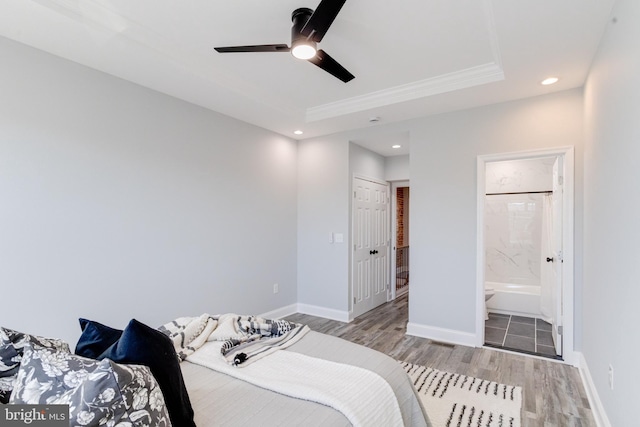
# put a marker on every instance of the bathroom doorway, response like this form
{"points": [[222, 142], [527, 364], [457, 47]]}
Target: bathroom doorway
{"points": [[401, 273], [523, 217]]}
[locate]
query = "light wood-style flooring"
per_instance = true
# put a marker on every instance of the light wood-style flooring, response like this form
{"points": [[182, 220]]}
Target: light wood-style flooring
{"points": [[553, 394]]}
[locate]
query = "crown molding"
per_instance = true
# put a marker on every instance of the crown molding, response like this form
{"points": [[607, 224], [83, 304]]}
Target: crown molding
{"points": [[489, 72], [481, 74]]}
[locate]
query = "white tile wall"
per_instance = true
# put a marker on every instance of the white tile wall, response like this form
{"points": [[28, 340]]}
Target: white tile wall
{"points": [[513, 227], [513, 222], [520, 175]]}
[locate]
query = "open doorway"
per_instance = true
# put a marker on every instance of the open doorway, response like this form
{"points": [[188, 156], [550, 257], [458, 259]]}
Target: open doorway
{"points": [[525, 252], [400, 267], [520, 287]]}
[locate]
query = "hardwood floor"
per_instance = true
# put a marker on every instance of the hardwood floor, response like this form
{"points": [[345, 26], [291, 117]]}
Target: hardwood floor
{"points": [[553, 394]]}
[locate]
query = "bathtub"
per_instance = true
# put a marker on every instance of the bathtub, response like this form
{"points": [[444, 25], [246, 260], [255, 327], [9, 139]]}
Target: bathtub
{"points": [[520, 300]]}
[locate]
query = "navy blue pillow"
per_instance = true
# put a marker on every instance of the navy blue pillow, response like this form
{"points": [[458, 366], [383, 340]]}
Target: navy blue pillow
{"points": [[95, 338], [142, 345]]}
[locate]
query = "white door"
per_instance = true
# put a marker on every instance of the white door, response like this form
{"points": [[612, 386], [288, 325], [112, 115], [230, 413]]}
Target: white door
{"points": [[556, 241], [370, 267]]}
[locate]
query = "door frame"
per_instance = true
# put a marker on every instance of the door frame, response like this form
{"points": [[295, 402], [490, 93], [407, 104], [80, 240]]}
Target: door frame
{"points": [[394, 232], [567, 153]]}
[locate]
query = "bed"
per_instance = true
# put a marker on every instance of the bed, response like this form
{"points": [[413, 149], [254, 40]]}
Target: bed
{"points": [[203, 389], [220, 400]]}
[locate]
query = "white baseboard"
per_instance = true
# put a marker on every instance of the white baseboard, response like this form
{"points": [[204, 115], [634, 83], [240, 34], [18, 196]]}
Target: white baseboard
{"points": [[572, 358], [592, 393], [327, 313], [441, 334], [313, 310], [281, 312]]}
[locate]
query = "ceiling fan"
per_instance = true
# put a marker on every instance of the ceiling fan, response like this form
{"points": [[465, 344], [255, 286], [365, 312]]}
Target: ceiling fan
{"points": [[308, 29]]}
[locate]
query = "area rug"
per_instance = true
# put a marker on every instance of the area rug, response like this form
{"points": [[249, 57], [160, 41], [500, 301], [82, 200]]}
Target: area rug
{"points": [[458, 400]]}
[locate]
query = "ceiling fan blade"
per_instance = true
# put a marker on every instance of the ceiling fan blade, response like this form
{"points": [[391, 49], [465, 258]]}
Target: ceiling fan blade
{"points": [[331, 66], [256, 48], [317, 26]]}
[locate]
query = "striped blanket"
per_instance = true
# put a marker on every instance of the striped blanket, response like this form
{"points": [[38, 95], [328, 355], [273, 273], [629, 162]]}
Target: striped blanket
{"points": [[245, 338]]}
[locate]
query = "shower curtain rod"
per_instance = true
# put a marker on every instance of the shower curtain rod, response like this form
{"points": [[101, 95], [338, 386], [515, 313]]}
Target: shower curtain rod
{"points": [[521, 192]]}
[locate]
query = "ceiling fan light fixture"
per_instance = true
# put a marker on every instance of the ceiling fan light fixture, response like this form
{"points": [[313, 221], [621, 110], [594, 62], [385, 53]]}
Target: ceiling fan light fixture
{"points": [[307, 30], [303, 49]]}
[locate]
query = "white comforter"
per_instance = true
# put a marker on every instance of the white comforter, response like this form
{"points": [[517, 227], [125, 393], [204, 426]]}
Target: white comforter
{"points": [[364, 397]]}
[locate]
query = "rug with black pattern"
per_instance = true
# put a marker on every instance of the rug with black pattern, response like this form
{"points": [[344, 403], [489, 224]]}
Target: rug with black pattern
{"points": [[454, 400]]}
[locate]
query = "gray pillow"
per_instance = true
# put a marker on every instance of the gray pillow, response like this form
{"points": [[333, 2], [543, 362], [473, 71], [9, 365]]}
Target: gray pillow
{"points": [[98, 392], [12, 344]]}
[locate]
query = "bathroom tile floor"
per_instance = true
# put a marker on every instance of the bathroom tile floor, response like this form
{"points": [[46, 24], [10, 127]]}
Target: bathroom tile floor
{"points": [[523, 334]]}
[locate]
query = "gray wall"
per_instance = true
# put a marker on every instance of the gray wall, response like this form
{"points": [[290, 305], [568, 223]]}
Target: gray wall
{"points": [[397, 168], [323, 208], [366, 163], [326, 168], [120, 202], [612, 203], [444, 150]]}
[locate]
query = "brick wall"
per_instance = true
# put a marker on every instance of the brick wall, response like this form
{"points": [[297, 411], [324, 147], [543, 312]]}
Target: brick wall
{"points": [[400, 198]]}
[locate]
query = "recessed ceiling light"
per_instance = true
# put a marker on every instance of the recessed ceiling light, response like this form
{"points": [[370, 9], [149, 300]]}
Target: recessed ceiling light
{"points": [[396, 146], [549, 81], [298, 132]]}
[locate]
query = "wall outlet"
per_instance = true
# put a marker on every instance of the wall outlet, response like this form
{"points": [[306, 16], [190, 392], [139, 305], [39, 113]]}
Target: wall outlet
{"points": [[275, 288], [611, 377]]}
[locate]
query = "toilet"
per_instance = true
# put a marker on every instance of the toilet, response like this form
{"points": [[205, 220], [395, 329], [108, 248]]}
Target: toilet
{"points": [[488, 294]]}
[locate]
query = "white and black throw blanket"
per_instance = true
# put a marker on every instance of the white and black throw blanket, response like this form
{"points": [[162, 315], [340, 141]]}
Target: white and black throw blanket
{"points": [[245, 338]]}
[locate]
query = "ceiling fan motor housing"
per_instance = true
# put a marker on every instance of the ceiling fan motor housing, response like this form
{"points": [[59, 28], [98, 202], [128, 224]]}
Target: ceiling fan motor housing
{"points": [[300, 17]]}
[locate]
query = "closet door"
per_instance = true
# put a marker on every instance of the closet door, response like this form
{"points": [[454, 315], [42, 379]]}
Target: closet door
{"points": [[370, 262]]}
